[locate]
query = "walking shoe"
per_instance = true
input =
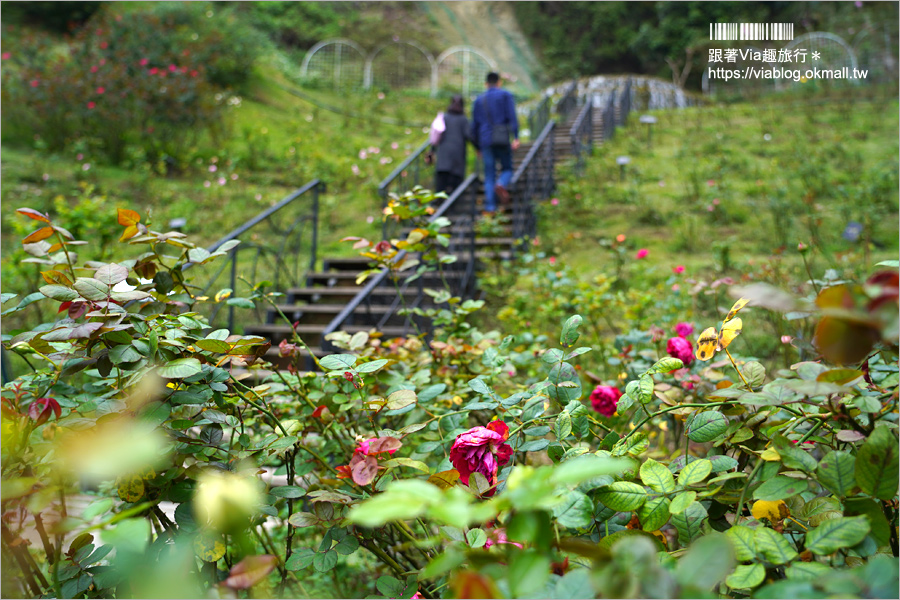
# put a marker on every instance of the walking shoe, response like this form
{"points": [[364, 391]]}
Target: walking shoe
{"points": [[502, 194]]}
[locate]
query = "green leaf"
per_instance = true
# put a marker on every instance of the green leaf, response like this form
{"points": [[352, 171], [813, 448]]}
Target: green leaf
{"points": [[479, 386], [91, 289], [574, 584], [180, 368], [300, 559], [780, 487], [689, 523], [586, 467], [29, 299], [876, 466], [449, 559], [325, 561], [707, 562], [694, 472], [746, 576], [836, 472], [811, 571], [240, 303], [563, 426], [401, 461], [654, 514], [837, 533], [529, 571], [657, 477], [123, 354], [681, 501], [773, 546], [111, 274], [389, 586], [288, 491], [570, 331], [707, 426], [793, 456], [338, 362], [664, 365], [347, 546], [533, 446], [217, 346], [400, 399], [59, 292], [622, 496], [476, 538], [743, 541], [576, 511], [403, 499], [552, 356], [754, 373], [635, 445], [371, 367]]}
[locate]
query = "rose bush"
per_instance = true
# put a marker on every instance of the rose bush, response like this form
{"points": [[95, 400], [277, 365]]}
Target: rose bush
{"points": [[469, 464]]}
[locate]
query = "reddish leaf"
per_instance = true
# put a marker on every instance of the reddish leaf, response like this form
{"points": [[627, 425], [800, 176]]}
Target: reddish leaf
{"points": [[845, 341], [65, 306], [250, 571], [470, 584], [41, 409], [38, 235], [363, 468], [33, 214], [128, 217], [77, 309], [384, 444], [56, 278]]}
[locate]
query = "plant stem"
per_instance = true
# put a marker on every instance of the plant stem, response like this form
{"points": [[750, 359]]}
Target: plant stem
{"points": [[741, 375], [740, 506]]}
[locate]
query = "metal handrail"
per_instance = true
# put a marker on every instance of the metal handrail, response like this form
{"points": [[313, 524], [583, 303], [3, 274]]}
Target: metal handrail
{"points": [[283, 258], [398, 178], [582, 133], [532, 180], [568, 102], [537, 118], [465, 191], [624, 104], [608, 119]]}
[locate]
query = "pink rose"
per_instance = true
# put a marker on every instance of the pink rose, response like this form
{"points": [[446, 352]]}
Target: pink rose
{"points": [[684, 329], [498, 536], [604, 399], [678, 270], [642, 253], [681, 348], [481, 450]]}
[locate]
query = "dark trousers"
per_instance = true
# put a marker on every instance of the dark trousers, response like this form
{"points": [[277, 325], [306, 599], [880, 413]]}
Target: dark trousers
{"points": [[445, 181]]}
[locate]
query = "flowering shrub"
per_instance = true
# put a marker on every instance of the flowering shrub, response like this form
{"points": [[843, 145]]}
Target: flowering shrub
{"points": [[129, 70], [468, 465]]}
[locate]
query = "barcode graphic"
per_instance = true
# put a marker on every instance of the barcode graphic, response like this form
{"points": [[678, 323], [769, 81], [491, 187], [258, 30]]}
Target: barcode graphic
{"points": [[751, 31]]}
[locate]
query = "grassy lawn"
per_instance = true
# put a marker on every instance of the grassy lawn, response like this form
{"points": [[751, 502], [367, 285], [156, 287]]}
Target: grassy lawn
{"points": [[730, 185]]}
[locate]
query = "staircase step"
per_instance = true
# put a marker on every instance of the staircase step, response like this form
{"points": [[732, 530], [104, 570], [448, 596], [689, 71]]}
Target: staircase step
{"points": [[312, 334], [343, 293], [322, 314], [346, 264]]}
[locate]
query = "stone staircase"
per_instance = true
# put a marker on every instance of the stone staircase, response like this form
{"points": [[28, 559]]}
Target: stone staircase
{"points": [[309, 310]]}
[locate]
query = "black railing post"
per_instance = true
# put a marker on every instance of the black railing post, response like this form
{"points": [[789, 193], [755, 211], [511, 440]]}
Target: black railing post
{"points": [[315, 227]]}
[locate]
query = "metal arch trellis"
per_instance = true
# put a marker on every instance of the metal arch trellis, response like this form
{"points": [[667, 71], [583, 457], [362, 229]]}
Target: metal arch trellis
{"points": [[334, 59], [467, 63], [405, 70], [835, 53]]}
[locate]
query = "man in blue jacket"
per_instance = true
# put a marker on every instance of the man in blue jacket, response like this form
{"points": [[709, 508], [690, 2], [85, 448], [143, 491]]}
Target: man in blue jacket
{"points": [[494, 121]]}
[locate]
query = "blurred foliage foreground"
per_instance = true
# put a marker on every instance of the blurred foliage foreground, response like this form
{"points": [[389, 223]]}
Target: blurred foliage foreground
{"points": [[147, 455]]}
